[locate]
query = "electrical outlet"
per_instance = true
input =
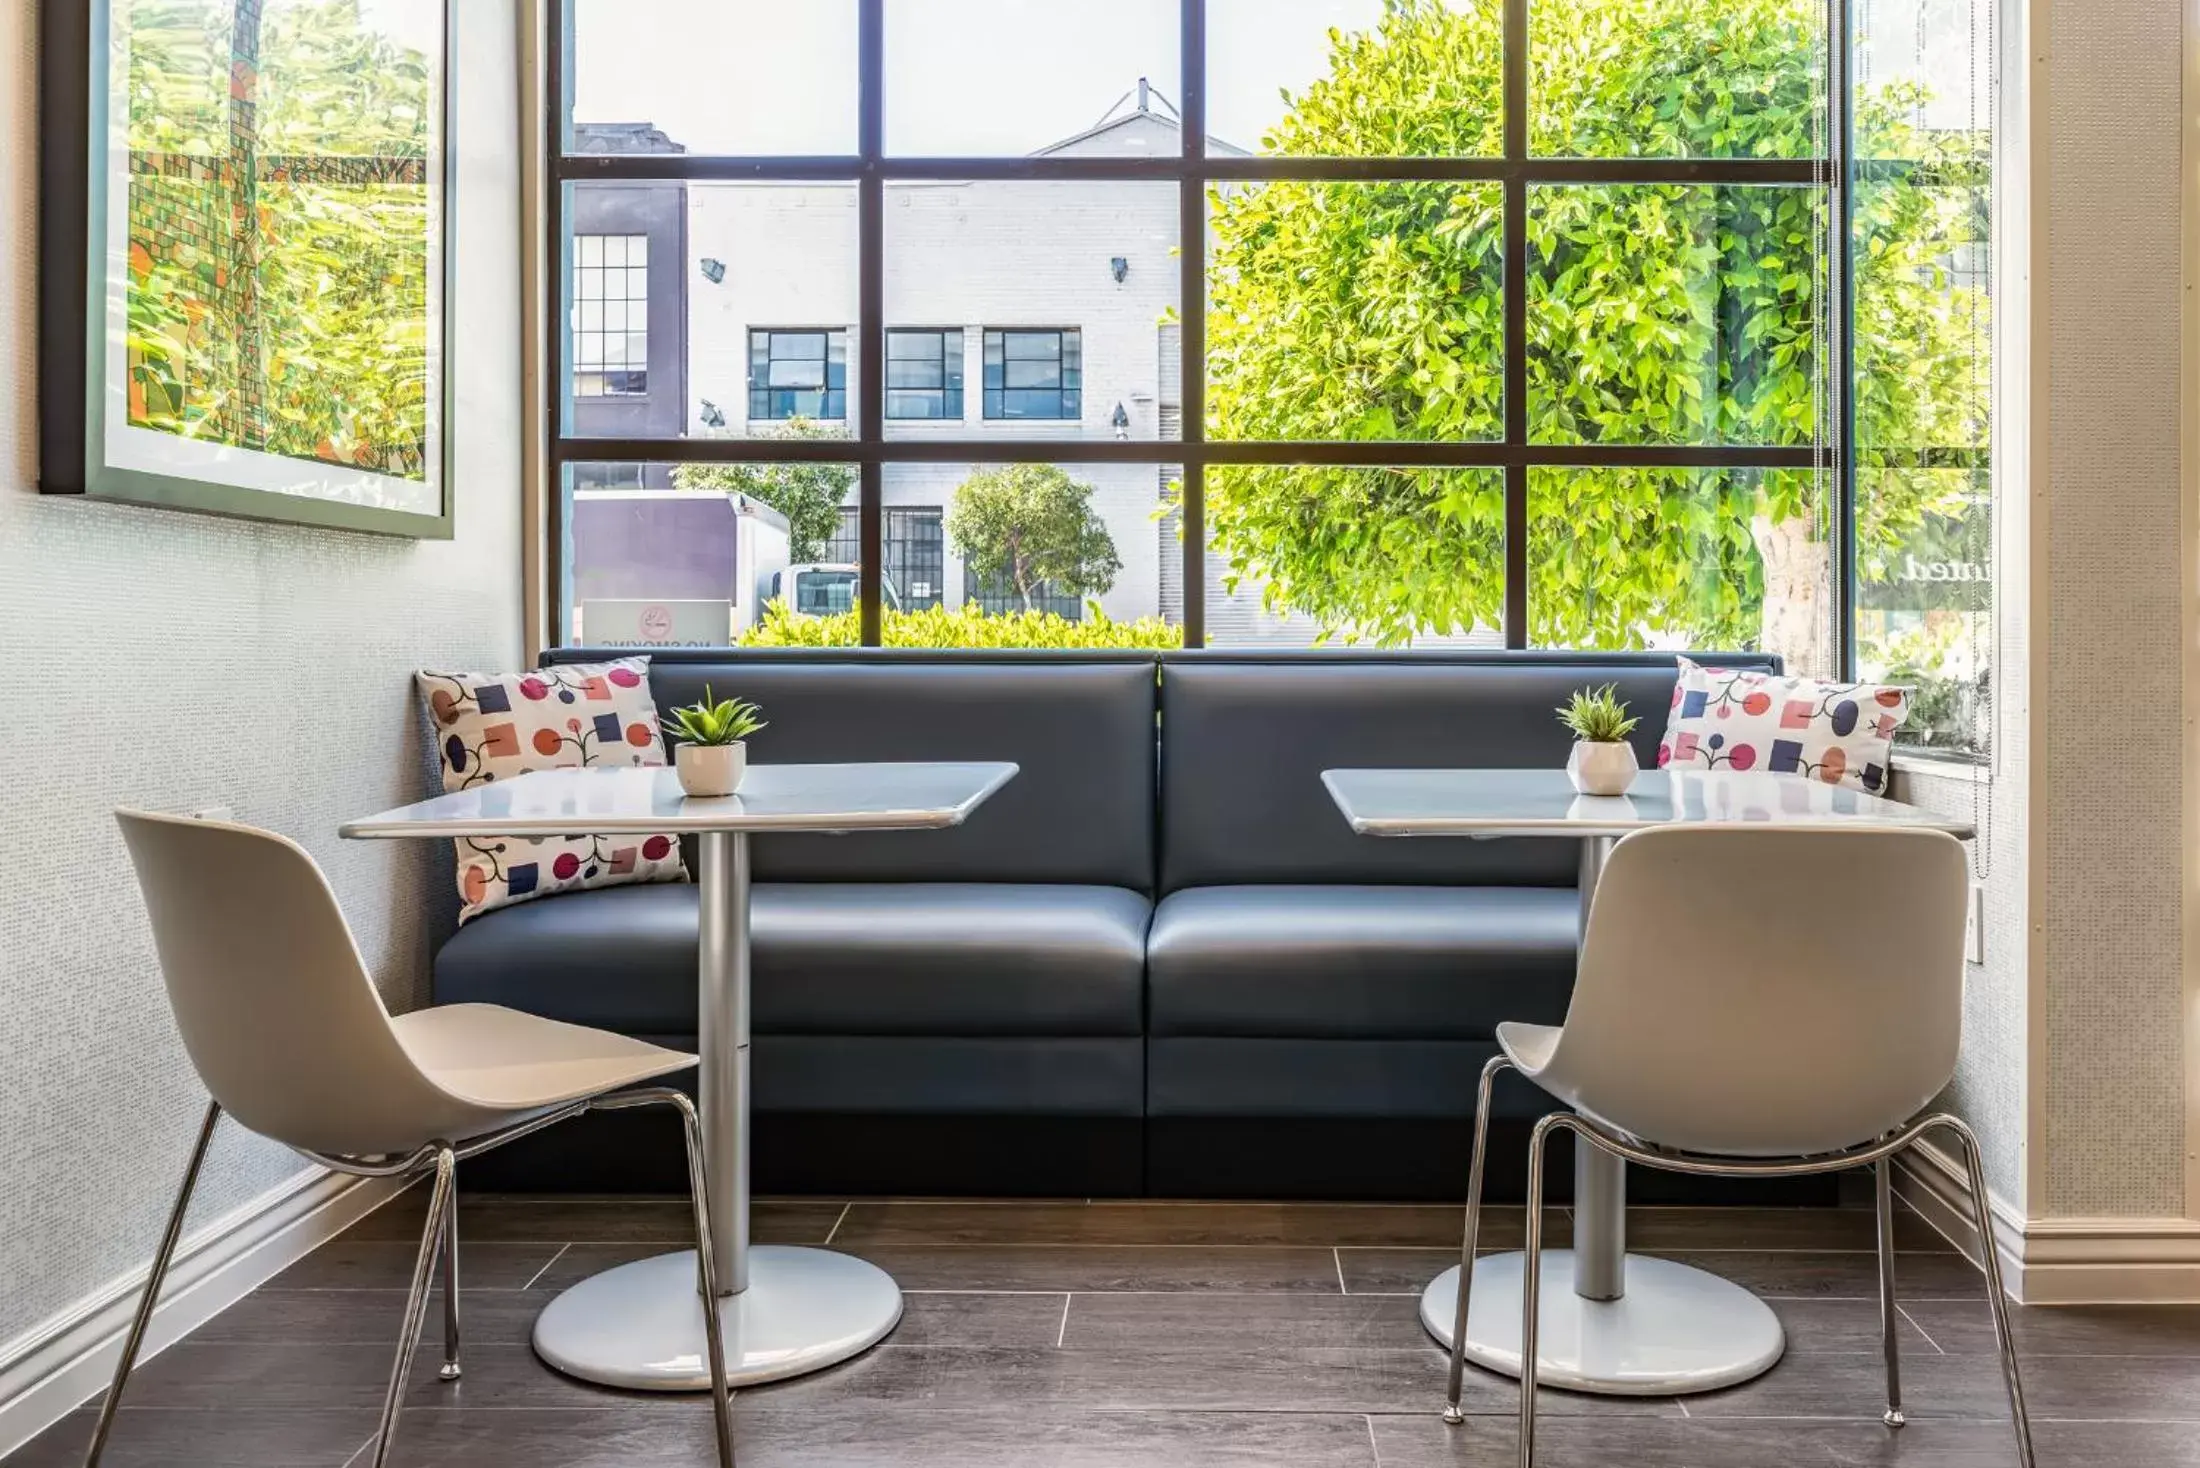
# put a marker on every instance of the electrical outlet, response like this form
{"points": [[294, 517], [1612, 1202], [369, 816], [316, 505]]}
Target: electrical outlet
{"points": [[1974, 925], [215, 813]]}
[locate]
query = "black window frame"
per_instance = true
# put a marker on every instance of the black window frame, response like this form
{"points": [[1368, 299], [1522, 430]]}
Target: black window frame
{"points": [[1007, 400], [632, 381], [1517, 170], [947, 392], [769, 403]]}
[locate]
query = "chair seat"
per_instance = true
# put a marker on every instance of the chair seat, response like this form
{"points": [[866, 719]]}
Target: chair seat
{"points": [[930, 959], [504, 1060], [1360, 962]]}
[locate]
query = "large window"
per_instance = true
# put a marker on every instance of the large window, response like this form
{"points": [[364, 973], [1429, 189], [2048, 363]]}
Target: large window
{"points": [[610, 315], [1519, 323], [798, 374]]}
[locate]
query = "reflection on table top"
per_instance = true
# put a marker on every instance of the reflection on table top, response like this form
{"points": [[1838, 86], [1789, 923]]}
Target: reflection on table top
{"points": [[1486, 803], [858, 797]]}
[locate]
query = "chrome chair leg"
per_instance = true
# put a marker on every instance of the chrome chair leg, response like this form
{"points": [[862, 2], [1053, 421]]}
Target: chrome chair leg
{"points": [[1982, 1218], [1889, 1321], [706, 1272], [1456, 1381], [450, 1369], [1531, 1279], [441, 1200], [707, 1280], [163, 1255]]}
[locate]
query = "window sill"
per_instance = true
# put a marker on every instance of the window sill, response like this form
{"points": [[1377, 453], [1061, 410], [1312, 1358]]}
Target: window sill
{"points": [[1967, 768]]}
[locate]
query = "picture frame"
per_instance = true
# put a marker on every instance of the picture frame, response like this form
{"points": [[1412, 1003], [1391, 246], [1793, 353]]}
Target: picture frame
{"points": [[246, 262]]}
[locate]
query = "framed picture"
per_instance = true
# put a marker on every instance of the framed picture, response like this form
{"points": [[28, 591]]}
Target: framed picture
{"points": [[245, 258]]}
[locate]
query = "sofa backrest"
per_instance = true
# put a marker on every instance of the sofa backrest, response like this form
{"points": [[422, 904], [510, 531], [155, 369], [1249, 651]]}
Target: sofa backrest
{"points": [[1080, 811], [1245, 739]]}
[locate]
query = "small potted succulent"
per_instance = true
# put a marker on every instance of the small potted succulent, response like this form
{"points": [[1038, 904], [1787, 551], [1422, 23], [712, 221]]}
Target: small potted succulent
{"points": [[1603, 762], [712, 756]]}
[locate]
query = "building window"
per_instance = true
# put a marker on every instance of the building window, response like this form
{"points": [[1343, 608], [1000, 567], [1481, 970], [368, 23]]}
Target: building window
{"points": [[610, 315], [798, 374], [916, 552], [924, 374], [996, 596], [1034, 374]]}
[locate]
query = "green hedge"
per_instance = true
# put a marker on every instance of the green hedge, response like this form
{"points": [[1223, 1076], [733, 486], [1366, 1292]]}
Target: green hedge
{"points": [[963, 627]]}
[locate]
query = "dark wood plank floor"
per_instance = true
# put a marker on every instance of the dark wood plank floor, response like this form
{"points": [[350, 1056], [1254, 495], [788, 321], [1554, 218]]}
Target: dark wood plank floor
{"points": [[1125, 1334]]}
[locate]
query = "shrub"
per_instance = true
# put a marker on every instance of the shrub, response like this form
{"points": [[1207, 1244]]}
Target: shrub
{"points": [[963, 627]]}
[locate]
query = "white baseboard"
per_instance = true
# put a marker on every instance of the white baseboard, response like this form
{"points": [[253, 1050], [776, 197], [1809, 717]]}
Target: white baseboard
{"points": [[2059, 1261], [57, 1365]]}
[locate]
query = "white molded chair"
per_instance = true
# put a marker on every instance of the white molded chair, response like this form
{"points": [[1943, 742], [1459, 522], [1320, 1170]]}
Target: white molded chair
{"points": [[284, 1026], [1755, 1001]]}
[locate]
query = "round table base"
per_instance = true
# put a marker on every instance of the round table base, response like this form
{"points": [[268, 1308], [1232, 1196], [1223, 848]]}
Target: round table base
{"points": [[640, 1326], [1678, 1330]]}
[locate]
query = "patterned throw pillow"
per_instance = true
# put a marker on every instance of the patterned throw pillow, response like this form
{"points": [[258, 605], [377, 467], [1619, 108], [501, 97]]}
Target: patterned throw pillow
{"points": [[494, 726], [1727, 719]]}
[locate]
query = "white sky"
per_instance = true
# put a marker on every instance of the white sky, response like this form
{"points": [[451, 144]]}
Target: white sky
{"points": [[975, 77]]}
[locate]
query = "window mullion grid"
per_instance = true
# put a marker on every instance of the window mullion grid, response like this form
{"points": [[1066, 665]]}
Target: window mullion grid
{"points": [[1840, 249], [1193, 171], [871, 317], [1514, 278], [1191, 336]]}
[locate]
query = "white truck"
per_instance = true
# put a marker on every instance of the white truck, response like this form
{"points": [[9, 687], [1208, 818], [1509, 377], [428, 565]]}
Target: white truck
{"points": [[671, 567], [824, 588]]}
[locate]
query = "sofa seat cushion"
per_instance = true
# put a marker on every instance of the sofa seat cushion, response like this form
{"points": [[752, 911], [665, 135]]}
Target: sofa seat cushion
{"points": [[829, 959], [1360, 962]]}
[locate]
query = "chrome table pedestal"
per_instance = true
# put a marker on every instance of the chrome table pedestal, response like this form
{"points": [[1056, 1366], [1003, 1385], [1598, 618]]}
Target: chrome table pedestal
{"points": [[786, 1311]]}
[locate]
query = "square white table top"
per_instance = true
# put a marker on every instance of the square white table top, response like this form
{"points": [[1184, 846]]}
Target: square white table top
{"points": [[1490, 803], [859, 797]]}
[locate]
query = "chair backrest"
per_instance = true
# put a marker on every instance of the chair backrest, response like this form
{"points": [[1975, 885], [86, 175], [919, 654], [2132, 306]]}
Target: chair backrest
{"points": [[1764, 991], [276, 1007]]}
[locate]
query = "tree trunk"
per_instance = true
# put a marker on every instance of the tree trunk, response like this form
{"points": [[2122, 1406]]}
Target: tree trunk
{"points": [[1798, 609]]}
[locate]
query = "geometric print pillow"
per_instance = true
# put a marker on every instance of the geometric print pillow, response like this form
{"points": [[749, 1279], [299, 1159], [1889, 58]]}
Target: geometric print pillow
{"points": [[494, 726], [1840, 733]]}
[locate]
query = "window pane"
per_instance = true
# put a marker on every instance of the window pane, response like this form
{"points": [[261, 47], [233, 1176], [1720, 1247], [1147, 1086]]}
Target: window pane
{"points": [[924, 374], [1674, 314], [713, 76], [1355, 78], [1025, 555], [1698, 560], [1067, 293], [1924, 363], [671, 555], [716, 296], [1655, 79], [1356, 311], [1300, 554], [798, 375], [1003, 78]]}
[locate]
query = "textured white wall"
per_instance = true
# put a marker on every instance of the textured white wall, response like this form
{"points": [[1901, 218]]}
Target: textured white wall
{"points": [[2110, 610], [178, 661], [2073, 1067]]}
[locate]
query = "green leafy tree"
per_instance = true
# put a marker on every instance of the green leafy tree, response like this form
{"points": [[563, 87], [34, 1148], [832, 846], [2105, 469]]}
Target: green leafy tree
{"points": [[1656, 314], [1028, 526], [809, 495]]}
